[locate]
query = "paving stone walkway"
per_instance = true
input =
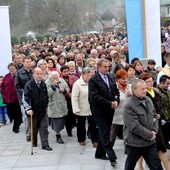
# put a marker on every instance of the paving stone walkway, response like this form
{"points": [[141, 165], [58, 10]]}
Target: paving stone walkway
{"points": [[15, 153]]}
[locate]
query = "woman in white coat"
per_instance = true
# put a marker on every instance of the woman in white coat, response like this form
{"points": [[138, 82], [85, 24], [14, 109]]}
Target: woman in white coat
{"points": [[81, 108], [125, 91]]}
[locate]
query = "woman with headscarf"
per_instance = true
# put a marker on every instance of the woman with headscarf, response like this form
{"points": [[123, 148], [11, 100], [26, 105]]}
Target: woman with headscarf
{"points": [[57, 106]]}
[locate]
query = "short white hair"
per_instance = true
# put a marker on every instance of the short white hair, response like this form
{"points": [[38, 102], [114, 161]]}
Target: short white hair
{"points": [[51, 74], [93, 51], [71, 62]]}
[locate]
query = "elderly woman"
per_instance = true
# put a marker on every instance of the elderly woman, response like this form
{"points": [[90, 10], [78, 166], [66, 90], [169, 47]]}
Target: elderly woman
{"points": [[72, 69], [43, 65], [57, 106], [81, 108], [9, 96], [123, 86]]}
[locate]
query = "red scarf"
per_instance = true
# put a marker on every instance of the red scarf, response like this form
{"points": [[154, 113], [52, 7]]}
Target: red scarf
{"points": [[122, 86]]}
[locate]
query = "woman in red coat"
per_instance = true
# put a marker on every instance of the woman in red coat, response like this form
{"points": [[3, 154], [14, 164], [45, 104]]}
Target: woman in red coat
{"points": [[10, 98]]}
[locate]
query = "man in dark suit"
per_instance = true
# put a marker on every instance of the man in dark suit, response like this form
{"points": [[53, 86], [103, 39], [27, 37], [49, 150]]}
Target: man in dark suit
{"points": [[35, 101], [103, 99]]}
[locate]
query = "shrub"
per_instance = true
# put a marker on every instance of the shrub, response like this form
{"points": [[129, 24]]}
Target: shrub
{"points": [[39, 38], [23, 39], [47, 36], [14, 40]]}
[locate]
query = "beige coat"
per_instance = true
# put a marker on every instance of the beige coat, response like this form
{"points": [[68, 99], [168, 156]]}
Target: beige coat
{"points": [[57, 106], [79, 98]]}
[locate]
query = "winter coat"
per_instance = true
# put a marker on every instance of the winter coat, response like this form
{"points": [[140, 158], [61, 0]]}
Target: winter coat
{"points": [[79, 98], [36, 98], [8, 90], [1, 101], [118, 116], [101, 96], [165, 103], [57, 106], [21, 78], [139, 121]]}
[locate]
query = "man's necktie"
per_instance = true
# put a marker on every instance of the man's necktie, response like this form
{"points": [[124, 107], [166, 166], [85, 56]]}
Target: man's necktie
{"points": [[106, 81]]}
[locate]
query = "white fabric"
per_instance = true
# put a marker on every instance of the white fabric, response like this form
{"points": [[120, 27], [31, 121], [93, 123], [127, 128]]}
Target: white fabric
{"points": [[5, 40], [152, 8], [161, 73], [79, 98]]}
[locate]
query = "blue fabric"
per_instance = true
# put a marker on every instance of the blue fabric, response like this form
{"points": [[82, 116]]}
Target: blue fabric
{"points": [[3, 111], [134, 28]]}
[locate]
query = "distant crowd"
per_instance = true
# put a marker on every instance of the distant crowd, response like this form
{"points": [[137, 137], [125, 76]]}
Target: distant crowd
{"points": [[63, 81]]}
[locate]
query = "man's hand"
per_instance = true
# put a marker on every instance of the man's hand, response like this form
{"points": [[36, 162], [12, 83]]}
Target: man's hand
{"points": [[30, 112], [153, 135], [114, 104]]}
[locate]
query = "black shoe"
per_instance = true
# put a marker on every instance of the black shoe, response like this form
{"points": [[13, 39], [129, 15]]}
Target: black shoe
{"points": [[103, 158], [16, 131], [113, 163], [48, 148], [28, 138], [34, 145], [70, 134], [59, 139]]}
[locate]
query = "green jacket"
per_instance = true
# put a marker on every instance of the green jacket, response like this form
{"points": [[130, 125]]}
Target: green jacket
{"points": [[1, 101], [165, 103]]}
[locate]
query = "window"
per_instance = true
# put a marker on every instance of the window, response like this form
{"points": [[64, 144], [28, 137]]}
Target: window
{"points": [[168, 10]]}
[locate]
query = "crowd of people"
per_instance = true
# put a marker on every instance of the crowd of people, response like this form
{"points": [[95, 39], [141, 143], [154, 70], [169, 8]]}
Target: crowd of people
{"points": [[80, 80]]}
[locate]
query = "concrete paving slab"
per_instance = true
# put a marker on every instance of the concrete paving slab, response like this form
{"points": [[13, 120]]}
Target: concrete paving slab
{"points": [[15, 153], [69, 167], [8, 161], [38, 160], [93, 167], [37, 168]]}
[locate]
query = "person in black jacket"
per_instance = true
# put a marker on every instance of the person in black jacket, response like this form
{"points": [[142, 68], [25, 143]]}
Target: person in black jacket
{"points": [[103, 99], [22, 76], [35, 101]]}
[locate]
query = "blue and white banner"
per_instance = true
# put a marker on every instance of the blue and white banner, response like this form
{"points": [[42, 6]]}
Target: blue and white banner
{"points": [[135, 29], [5, 40], [153, 30]]}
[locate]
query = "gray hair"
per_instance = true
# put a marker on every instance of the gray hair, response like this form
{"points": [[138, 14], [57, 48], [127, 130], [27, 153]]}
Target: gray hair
{"points": [[93, 51], [51, 75], [70, 62], [79, 54], [135, 83], [36, 69], [101, 61], [86, 70]]}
